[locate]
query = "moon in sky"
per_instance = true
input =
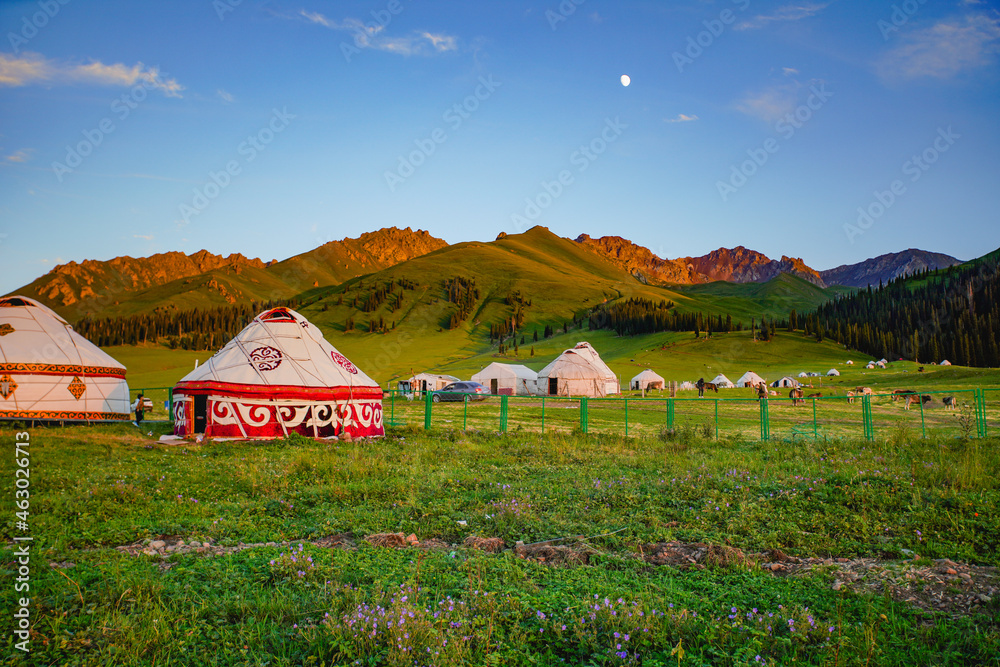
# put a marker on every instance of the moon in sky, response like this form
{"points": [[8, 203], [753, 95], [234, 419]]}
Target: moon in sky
{"points": [[626, 80]]}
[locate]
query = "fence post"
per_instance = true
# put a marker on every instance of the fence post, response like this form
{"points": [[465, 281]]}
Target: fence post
{"points": [[716, 418], [866, 417], [543, 414], [427, 410], [670, 413], [503, 413], [170, 403], [583, 414], [765, 425], [980, 412], [923, 425], [626, 417], [465, 413]]}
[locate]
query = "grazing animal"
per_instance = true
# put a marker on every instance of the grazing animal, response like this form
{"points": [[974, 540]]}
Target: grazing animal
{"points": [[913, 398], [796, 396], [949, 402], [863, 391], [816, 395], [711, 386], [901, 393], [773, 393], [920, 370], [850, 396]]}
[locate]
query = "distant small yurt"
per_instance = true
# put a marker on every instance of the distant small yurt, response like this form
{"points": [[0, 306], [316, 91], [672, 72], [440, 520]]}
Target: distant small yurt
{"points": [[278, 376], [786, 382], [647, 380], [722, 382], [48, 372], [871, 365], [510, 379], [803, 374], [946, 363], [833, 371], [749, 379], [880, 364], [849, 362], [430, 381], [578, 371], [882, 361]]}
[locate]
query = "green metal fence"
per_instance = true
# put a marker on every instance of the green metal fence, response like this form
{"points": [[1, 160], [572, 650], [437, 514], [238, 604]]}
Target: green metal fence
{"points": [[969, 413]]}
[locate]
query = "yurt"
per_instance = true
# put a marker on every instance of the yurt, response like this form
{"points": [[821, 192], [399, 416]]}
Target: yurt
{"points": [[647, 380], [430, 381], [48, 372], [833, 371], [509, 379], [946, 363], [278, 376], [722, 382], [687, 386], [578, 371], [749, 379], [803, 374], [786, 382], [849, 362], [871, 365]]}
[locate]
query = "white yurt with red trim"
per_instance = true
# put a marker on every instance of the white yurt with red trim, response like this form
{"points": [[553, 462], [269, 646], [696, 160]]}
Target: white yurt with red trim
{"points": [[579, 371], [278, 376], [48, 372]]}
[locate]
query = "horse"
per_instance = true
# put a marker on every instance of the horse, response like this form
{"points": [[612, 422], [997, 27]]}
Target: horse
{"points": [[901, 393], [796, 395], [850, 396], [949, 402], [711, 386], [862, 391], [913, 398], [816, 395]]}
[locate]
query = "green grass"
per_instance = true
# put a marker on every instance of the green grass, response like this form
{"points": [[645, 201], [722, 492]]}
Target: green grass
{"points": [[95, 488]]}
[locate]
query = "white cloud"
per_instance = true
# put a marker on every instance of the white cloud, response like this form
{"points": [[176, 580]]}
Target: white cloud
{"points": [[225, 96], [371, 36], [33, 68], [145, 237], [681, 118], [792, 12], [770, 104], [22, 155], [789, 71], [944, 49]]}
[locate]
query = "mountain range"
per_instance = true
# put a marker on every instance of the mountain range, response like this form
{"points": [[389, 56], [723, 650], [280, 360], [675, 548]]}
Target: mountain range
{"points": [[127, 285]]}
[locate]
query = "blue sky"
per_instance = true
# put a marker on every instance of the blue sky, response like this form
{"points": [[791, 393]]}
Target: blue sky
{"points": [[831, 131]]}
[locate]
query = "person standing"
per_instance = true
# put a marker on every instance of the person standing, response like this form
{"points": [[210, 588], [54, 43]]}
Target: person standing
{"points": [[139, 410], [701, 387]]}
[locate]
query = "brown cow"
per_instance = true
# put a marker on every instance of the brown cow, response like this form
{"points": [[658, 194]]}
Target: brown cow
{"points": [[796, 396], [863, 391], [901, 393], [850, 397]]}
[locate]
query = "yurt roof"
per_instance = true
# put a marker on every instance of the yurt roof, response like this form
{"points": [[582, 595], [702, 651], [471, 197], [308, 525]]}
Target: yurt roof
{"points": [[721, 379], [439, 376], [648, 375], [749, 378], [833, 371], [281, 354], [32, 333], [803, 374], [514, 371], [581, 361]]}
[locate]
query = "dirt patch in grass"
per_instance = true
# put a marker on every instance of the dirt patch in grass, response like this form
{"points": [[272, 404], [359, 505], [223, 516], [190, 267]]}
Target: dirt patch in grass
{"points": [[554, 554], [696, 554], [488, 544]]}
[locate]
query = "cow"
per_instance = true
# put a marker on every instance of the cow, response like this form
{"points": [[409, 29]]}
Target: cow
{"points": [[913, 398], [862, 391], [796, 396], [901, 393], [850, 396], [816, 395], [711, 386], [949, 402]]}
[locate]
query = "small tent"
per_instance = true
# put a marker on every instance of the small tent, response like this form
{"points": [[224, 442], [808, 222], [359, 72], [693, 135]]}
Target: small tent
{"points": [[833, 371], [647, 380], [430, 381], [278, 376], [803, 374], [749, 379], [510, 379], [849, 362], [48, 372], [946, 363], [722, 382], [578, 371], [786, 382], [880, 364]]}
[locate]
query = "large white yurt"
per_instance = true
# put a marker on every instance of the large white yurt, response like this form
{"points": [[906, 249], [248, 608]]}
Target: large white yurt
{"points": [[510, 379], [749, 379], [646, 380], [786, 382], [278, 376], [50, 372], [578, 371], [722, 382], [833, 372]]}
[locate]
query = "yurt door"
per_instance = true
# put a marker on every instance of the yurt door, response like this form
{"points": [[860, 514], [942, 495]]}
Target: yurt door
{"points": [[553, 386], [200, 413], [494, 386]]}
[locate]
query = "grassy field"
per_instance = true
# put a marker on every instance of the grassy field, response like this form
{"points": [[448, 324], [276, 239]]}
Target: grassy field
{"points": [[596, 596]]}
